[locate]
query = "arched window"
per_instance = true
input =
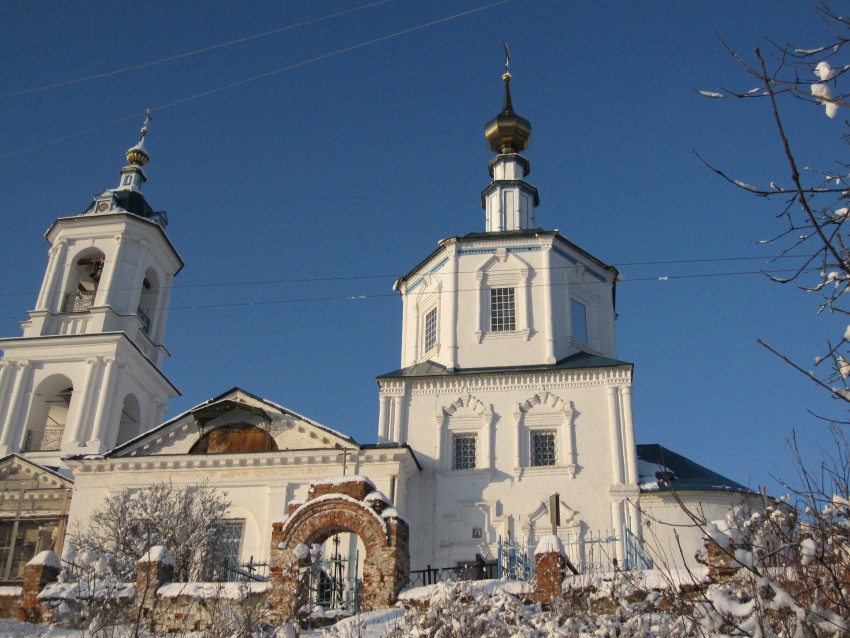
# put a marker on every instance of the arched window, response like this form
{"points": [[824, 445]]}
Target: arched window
{"points": [[234, 438], [148, 299], [48, 414], [83, 282], [131, 415]]}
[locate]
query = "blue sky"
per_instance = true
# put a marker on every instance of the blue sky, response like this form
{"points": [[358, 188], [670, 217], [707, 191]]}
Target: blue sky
{"points": [[337, 174]]}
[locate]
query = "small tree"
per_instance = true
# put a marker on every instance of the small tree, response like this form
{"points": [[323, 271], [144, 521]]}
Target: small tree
{"points": [[186, 520]]}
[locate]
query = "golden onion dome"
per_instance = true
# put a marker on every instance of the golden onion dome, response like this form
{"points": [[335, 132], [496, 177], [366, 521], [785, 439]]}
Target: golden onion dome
{"points": [[137, 155], [508, 132]]}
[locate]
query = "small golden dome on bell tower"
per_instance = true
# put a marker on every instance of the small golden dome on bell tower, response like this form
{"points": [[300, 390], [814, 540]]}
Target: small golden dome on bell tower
{"points": [[508, 132], [138, 156]]}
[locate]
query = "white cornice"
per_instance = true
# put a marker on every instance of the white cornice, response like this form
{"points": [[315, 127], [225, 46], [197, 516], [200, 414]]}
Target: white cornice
{"points": [[319, 459], [496, 381]]}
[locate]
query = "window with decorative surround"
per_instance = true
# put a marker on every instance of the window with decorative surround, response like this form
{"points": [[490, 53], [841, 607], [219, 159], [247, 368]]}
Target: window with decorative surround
{"points": [[464, 455], [502, 310], [543, 448], [431, 329]]}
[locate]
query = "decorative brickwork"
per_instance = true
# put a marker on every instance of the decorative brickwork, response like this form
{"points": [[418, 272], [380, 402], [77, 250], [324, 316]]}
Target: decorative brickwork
{"points": [[153, 570], [721, 562], [41, 570], [333, 507], [551, 563], [10, 601]]}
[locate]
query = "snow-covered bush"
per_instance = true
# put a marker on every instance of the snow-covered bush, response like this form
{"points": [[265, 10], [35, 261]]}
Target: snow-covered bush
{"points": [[90, 595], [185, 519]]}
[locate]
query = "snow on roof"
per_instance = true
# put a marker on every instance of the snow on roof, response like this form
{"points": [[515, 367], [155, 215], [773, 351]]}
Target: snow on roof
{"points": [[46, 558], [377, 495], [158, 554]]}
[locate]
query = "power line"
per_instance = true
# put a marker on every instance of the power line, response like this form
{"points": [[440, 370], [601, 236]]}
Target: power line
{"points": [[180, 56], [260, 76], [363, 297], [338, 278]]}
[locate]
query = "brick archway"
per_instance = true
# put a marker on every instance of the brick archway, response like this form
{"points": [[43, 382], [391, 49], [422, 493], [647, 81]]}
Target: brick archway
{"points": [[346, 504]]}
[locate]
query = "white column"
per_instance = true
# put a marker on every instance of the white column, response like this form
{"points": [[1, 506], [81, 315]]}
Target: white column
{"points": [[451, 299], [104, 402], [520, 434], [548, 300], [10, 437], [163, 299], [629, 431], [526, 294], [136, 282], [78, 429], [396, 434], [417, 333], [482, 308], [7, 374], [383, 418], [617, 520], [487, 442], [405, 302], [616, 443], [105, 287], [6, 371], [50, 290]]}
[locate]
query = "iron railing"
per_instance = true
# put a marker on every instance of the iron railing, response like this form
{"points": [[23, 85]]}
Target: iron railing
{"points": [[79, 301], [591, 552], [145, 319], [245, 572], [480, 569], [43, 440]]}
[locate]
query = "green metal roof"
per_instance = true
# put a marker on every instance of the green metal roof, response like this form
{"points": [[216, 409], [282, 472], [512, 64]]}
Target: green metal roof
{"points": [[662, 470]]}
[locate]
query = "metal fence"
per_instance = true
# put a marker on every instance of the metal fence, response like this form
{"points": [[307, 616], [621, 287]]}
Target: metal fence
{"points": [[479, 569], [245, 572], [591, 552]]}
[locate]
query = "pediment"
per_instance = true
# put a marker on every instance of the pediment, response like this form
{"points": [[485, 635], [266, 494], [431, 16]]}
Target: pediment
{"points": [[236, 422], [30, 489]]}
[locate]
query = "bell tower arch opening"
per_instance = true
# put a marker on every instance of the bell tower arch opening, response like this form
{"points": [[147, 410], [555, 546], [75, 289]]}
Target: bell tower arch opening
{"points": [[149, 300], [83, 281], [48, 415], [131, 417]]}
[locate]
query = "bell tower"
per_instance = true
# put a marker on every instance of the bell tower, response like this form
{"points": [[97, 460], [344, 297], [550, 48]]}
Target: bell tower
{"points": [[86, 374]]}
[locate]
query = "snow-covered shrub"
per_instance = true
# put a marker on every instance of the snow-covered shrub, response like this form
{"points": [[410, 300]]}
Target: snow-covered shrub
{"points": [[91, 596], [790, 561], [185, 519]]}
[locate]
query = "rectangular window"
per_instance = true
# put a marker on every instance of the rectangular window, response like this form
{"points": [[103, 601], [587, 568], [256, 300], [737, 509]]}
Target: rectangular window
{"points": [[502, 310], [226, 566], [543, 450], [578, 319], [463, 452], [430, 329]]}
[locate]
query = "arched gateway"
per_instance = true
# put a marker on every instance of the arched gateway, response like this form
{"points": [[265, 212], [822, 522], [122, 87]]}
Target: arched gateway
{"points": [[341, 504]]}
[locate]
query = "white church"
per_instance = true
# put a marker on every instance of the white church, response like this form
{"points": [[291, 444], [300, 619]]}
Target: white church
{"points": [[509, 390]]}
